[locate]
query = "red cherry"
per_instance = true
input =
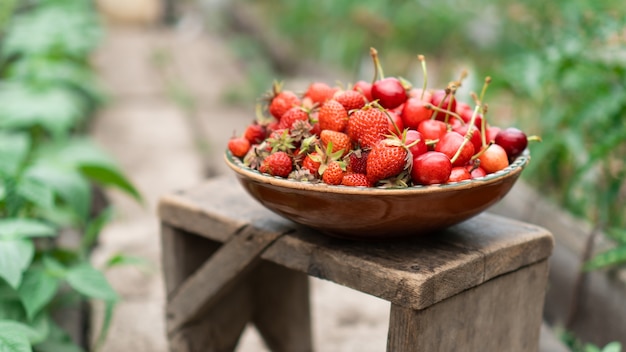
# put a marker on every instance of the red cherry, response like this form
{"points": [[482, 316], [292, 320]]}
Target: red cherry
{"points": [[432, 129], [414, 112], [459, 173], [420, 147], [493, 159], [513, 140], [466, 112], [476, 138], [389, 92], [431, 168], [476, 172], [450, 143], [417, 93], [492, 132], [448, 104]]}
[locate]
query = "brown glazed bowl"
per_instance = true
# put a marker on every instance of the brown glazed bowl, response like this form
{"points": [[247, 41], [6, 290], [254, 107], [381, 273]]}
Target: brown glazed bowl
{"points": [[377, 213]]}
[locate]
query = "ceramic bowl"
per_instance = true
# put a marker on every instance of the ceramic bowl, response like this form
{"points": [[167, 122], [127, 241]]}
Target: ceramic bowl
{"points": [[377, 213]]}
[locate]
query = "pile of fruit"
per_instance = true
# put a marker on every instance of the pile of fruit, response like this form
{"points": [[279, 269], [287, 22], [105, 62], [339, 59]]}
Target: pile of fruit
{"points": [[385, 133]]}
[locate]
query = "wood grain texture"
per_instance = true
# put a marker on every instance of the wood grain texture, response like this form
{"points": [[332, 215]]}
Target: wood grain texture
{"points": [[216, 276], [503, 314], [414, 273]]}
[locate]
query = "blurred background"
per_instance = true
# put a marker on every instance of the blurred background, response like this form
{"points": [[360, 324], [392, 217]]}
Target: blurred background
{"points": [[96, 98]]}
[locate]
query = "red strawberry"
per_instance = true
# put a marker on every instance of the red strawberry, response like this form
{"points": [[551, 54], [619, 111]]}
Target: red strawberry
{"points": [[277, 164], [368, 126], [332, 116], [387, 158], [340, 141], [364, 88], [355, 180], [350, 99], [357, 161], [319, 92], [333, 173], [281, 101], [239, 146], [255, 133], [292, 115], [311, 162]]}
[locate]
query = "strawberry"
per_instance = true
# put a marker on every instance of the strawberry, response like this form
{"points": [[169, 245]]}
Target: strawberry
{"points": [[340, 141], [332, 116], [388, 158], [281, 101], [292, 115], [310, 162], [333, 174], [368, 126], [357, 161], [255, 133], [355, 180], [277, 164], [319, 92], [239, 146], [350, 99]]}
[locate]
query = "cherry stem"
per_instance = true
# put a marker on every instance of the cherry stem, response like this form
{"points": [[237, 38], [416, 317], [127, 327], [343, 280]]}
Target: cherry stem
{"points": [[423, 62], [448, 112], [430, 142], [482, 151], [378, 69], [534, 138], [452, 91], [484, 90], [468, 135], [390, 119], [440, 104]]}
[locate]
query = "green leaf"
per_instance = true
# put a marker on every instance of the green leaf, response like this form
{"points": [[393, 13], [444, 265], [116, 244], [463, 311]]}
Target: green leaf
{"points": [[57, 110], [15, 256], [123, 259], [107, 175], [10, 342], [14, 228], [13, 150], [37, 290], [618, 235], [85, 279], [18, 329], [36, 192], [613, 256], [614, 346], [68, 184], [94, 228], [109, 307]]}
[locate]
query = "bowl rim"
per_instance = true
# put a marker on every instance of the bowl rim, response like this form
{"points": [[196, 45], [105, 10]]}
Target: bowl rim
{"points": [[513, 169]]}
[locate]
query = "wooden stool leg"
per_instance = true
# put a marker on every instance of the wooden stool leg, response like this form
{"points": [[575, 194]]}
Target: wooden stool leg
{"points": [[282, 308], [220, 328], [502, 314]]}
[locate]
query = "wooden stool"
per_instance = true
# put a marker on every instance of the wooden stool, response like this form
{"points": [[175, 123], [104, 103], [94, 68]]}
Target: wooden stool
{"points": [[478, 286]]}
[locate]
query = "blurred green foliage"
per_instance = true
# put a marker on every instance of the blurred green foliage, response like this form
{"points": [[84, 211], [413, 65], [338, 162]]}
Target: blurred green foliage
{"points": [[48, 167], [558, 69]]}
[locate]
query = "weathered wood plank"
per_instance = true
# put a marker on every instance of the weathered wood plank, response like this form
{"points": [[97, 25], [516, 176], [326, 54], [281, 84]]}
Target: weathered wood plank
{"points": [[503, 314], [216, 276], [414, 273]]}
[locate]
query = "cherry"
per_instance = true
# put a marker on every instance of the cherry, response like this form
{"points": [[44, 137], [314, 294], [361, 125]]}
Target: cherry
{"points": [[493, 159], [459, 173], [452, 144], [513, 141], [492, 132], [420, 94], [432, 129], [466, 112], [449, 103], [476, 138], [414, 112], [365, 88], [418, 148], [389, 92], [476, 171], [431, 168]]}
